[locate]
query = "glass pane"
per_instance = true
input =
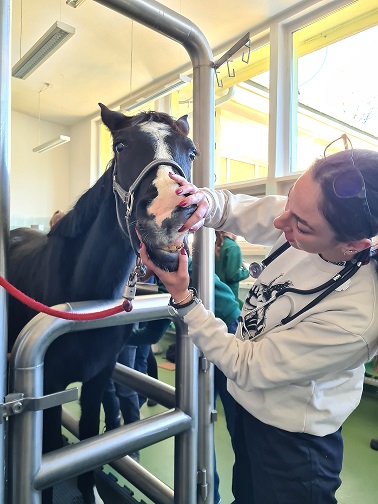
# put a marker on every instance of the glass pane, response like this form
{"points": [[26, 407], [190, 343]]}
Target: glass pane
{"points": [[242, 146], [337, 93], [106, 148]]}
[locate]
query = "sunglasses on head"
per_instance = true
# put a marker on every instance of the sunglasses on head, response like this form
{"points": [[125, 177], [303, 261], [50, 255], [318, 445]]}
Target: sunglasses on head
{"points": [[350, 183]]}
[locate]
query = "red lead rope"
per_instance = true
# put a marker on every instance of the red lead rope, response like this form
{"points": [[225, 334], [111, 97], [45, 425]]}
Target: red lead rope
{"points": [[125, 306]]}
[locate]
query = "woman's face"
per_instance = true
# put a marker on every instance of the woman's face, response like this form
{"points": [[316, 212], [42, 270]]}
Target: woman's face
{"points": [[304, 226]]}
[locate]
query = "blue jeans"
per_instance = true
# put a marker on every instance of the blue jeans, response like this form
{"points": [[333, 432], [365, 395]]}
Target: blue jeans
{"points": [[121, 397]]}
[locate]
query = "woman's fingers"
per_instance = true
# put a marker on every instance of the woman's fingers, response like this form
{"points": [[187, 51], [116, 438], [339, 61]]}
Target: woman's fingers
{"points": [[193, 196], [175, 282]]}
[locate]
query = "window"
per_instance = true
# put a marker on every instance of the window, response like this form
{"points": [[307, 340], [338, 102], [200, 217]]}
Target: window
{"points": [[337, 84]]}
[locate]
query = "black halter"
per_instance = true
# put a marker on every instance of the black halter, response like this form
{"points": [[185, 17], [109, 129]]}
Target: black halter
{"points": [[127, 197]]}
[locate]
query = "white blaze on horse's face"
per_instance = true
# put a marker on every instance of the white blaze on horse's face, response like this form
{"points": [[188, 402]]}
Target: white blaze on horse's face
{"points": [[166, 200]]}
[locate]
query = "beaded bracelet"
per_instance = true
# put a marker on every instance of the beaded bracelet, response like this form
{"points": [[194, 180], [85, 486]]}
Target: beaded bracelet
{"points": [[192, 291]]}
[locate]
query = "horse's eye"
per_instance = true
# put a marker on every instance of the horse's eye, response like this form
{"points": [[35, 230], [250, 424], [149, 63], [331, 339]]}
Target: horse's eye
{"points": [[192, 155], [119, 147]]}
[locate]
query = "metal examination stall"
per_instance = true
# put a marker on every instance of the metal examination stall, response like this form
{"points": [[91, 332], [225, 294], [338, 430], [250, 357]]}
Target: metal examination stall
{"points": [[190, 414]]}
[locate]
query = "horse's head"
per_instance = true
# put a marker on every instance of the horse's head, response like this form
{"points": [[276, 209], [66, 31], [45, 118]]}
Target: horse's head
{"points": [[146, 148]]}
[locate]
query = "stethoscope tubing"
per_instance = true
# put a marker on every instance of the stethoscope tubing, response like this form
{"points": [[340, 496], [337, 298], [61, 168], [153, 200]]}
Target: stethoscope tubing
{"points": [[336, 281]]}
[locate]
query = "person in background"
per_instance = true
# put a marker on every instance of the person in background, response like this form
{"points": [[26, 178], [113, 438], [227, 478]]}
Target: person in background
{"points": [[57, 215], [308, 325], [229, 261]]}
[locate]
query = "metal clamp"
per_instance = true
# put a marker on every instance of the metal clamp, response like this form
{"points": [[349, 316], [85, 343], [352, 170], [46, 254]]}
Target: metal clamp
{"points": [[204, 364], [202, 483], [16, 403]]}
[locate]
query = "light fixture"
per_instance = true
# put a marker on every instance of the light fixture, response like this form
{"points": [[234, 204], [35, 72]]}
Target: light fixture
{"points": [[74, 3], [41, 50], [132, 104], [55, 142]]}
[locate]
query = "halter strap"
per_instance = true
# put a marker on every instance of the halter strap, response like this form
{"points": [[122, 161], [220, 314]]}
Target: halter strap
{"points": [[127, 197]]}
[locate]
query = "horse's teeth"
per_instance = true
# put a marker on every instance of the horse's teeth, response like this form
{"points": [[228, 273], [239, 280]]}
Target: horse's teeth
{"points": [[173, 248]]}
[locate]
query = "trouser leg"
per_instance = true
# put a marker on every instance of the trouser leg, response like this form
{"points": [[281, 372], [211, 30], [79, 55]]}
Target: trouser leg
{"points": [[286, 467]]}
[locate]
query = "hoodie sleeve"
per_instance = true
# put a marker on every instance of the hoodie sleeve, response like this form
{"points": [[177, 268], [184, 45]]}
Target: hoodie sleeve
{"points": [[244, 215]]}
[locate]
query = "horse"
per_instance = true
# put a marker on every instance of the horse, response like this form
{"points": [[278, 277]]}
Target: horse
{"points": [[89, 253]]}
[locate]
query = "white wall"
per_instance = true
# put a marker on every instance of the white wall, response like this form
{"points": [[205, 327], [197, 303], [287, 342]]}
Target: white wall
{"points": [[52, 180], [39, 183]]}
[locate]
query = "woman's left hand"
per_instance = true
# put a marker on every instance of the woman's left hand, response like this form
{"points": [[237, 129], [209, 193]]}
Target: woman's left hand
{"points": [[176, 282]]}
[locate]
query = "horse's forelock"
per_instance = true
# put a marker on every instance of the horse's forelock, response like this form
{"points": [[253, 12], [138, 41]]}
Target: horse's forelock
{"points": [[160, 117]]}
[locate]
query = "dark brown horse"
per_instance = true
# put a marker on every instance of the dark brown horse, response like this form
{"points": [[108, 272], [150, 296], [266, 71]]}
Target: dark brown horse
{"points": [[90, 252]]}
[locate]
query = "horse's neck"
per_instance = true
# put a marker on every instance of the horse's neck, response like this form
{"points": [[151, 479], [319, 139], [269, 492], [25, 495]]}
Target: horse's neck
{"points": [[100, 255]]}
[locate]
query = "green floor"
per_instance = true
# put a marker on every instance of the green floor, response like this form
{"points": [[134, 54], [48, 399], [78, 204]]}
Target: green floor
{"points": [[360, 468]]}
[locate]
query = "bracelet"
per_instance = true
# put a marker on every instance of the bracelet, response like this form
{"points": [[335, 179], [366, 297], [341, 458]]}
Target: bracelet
{"points": [[183, 299], [192, 292]]}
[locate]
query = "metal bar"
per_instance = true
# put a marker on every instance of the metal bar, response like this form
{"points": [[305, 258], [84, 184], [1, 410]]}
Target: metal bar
{"points": [[171, 24], [152, 487], [234, 49], [145, 385], [86, 455], [5, 73]]}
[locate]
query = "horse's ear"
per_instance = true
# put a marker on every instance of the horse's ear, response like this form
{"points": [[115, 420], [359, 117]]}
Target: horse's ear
{"points": [[114, 120], [183, 125]]}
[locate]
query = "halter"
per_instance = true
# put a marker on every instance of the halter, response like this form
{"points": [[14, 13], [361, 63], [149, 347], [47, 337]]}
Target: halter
{"points": [[127, 198]]}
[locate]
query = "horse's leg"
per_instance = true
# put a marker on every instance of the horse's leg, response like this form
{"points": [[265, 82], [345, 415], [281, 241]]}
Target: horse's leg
{"points": [[91, 397], [52, 440]]}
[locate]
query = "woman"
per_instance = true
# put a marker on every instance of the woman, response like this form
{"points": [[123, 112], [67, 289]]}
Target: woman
{"points": [[229, 261], [295, 366]]}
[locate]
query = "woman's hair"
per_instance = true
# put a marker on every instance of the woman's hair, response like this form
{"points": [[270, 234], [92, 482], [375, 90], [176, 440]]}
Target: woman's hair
{"points": [[355, 217], [218, 242], [219, 239]]}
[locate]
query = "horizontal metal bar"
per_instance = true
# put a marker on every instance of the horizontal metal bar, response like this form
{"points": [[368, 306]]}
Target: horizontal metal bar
{"points": [[145, 385], [86, 455]]}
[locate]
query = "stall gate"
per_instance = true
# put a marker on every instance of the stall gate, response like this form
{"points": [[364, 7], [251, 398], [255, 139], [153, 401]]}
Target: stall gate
{"points": [[189, 417], [30, 472]]}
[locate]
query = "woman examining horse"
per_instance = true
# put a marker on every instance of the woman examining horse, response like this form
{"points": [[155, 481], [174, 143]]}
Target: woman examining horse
{"points": [[308, 325]]}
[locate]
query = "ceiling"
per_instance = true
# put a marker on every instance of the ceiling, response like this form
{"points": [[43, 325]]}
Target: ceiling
{"points": [[110, 56]]}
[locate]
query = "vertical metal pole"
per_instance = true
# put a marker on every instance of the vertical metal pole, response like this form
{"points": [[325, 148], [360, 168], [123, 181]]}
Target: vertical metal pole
{"points": [[5, 43], [203, 269], [171, 24]]}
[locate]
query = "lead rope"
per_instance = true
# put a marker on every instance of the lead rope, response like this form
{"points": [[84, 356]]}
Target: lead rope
{"points": [[40, 307]]}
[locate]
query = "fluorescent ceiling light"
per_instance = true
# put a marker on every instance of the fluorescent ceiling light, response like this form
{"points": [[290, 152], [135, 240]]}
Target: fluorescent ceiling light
{"points": [[55, 142], [41, 50], [169, 88], [74, 3]]}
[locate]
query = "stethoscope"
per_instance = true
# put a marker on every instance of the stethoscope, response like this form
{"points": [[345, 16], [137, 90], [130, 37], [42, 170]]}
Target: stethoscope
{"points": [[351, 267]]}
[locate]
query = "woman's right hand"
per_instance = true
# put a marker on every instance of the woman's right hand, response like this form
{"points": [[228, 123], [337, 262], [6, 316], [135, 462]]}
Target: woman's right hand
{"points": [[193, 196]]}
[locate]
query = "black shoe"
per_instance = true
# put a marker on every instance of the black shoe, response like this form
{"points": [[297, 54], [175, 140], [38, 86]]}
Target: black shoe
{"points": [[151, 402], [112, 424], [374, 444]]}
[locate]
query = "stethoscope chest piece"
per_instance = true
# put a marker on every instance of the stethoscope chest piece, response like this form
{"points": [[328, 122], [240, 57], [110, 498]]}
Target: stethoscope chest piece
{"points": [[255, 269]]}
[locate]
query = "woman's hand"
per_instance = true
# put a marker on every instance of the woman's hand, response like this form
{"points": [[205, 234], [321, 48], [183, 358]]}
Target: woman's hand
{"points": [[193, 196], [176, 282]]}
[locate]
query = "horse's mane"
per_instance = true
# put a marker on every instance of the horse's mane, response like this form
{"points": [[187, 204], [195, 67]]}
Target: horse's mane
{"points": [[86, 209]]}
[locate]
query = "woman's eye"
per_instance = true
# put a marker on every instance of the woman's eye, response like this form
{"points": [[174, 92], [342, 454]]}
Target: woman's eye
{"points": [[302, 231], [119, 147]]}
